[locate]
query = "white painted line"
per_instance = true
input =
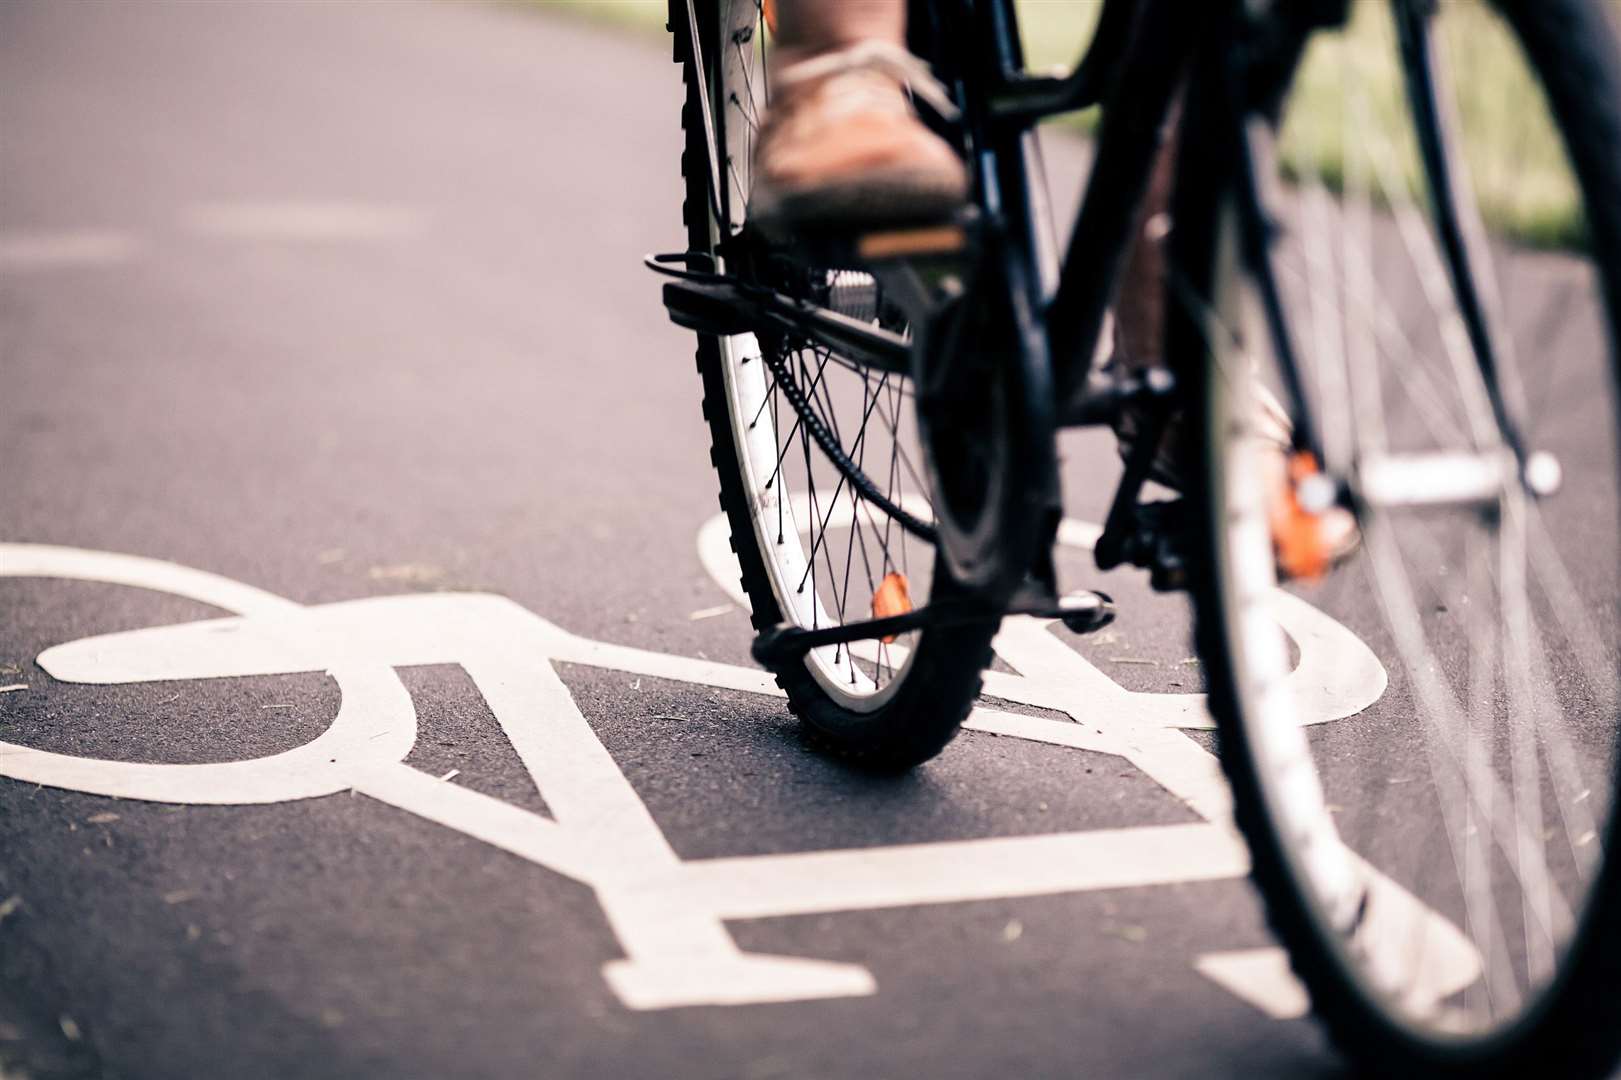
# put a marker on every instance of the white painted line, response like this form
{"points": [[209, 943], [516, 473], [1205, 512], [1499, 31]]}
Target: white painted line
{"points": [[740, 979], [1338, 675], [711, 612], [323, 766], [303, 221], [668, 913], [13, 688], [372, 699], [601, 654], [1056, 732], [138, 572], [579, 779], [24, 251], [1260, 977], [510, 828], [914, 874], [1410, 950]]}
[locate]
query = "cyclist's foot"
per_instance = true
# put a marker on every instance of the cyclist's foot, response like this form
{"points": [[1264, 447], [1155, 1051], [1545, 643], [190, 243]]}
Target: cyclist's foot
{"points": [[842, 147], [1305, 544]]}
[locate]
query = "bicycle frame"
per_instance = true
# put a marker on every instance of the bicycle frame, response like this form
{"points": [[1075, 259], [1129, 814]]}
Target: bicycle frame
{"points": [[1139, 58], [1134, 64], [1046, 314]]}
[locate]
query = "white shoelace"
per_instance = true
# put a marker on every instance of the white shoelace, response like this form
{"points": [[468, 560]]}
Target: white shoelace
{"points": [[883, 57]]}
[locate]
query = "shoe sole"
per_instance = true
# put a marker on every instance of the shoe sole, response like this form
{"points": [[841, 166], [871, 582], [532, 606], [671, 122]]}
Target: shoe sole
{"points": [[892, 199]]}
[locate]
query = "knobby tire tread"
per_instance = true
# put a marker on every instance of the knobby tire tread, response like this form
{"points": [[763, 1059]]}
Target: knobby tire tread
{"points": [[939, 691]]}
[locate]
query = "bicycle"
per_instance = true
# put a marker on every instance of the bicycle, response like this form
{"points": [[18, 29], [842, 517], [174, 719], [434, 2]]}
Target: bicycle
{"points": [[1461, 920]]}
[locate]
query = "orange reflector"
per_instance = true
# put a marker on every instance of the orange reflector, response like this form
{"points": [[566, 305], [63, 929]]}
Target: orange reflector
{"points": [[892, 598], [1297, 534], [910, 243], [771, 15]]}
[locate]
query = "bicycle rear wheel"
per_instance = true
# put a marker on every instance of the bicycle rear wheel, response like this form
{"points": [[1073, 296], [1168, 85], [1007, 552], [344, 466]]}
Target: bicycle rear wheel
{"points": [[1443, 866], [813, 548]]}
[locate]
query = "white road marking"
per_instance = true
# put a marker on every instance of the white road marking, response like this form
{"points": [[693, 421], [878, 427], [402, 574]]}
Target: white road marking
{"points": [[1260, 977], [48, 250], [759, 886], [311, 221], [1338, 675], [668, 913], [138, 572]]}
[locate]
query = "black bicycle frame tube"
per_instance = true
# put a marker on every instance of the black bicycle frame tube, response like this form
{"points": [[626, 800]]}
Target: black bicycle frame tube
{"points": [[1139, 55], [1006, 150], [1134, 121], [1463, 264], [1028, 98], [975, 45]]}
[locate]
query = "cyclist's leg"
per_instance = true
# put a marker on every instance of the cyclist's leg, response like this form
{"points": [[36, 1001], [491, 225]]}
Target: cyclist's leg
{"points": [[1306, 543], [840, 144], [808, 27], [1139, 309]]}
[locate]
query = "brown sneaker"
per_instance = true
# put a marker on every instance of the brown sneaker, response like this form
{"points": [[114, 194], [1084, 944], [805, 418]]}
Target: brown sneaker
{"points": [[1305, 544], [842, 147]]}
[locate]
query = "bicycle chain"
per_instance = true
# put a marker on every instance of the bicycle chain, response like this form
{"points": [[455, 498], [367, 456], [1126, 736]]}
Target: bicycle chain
{"points": [[830, 446]]}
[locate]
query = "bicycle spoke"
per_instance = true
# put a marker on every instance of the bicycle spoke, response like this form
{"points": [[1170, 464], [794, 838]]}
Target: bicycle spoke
{"points": [[1483, 780], [1432, 279], [1522, 718]]}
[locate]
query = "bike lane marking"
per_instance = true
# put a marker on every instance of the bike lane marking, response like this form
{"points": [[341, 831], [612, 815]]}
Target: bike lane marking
{"points": [[1336, 676], [666, 912], [37, 250]]}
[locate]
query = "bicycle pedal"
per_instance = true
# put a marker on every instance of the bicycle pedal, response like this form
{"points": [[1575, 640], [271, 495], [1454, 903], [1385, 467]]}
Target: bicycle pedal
{"points": [[705, 308], [1168, 572], [1164, 553], [1083, 611], [1105, 396], [1155, 539], [1086, 612]]}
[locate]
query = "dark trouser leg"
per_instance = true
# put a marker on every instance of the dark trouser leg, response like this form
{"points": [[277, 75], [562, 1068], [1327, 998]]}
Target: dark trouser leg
{"points": [[1139, 310]]}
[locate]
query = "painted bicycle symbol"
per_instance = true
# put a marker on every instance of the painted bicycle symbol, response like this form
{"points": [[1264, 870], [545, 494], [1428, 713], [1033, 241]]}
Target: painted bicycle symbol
{"points": [[669, 913]]}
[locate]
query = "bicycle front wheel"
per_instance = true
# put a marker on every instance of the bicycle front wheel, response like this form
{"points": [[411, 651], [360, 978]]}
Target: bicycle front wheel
{"points": [[1442, 864]]}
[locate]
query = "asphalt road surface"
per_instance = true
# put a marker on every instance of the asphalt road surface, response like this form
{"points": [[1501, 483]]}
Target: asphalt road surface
{"points": [[316, 304]]}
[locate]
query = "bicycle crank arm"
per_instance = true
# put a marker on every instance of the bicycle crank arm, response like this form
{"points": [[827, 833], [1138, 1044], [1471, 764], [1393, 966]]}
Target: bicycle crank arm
{"points": [[1083, 612], [1104, 397]]}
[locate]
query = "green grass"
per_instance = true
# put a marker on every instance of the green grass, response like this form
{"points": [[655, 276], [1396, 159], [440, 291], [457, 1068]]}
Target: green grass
{"points": [[1348, 99], [1348, 108], [1348, 102], [1055, 32]]}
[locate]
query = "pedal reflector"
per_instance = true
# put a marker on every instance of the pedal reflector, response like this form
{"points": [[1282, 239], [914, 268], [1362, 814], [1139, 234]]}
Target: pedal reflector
{"points": [[908, 243], [891, 598]]}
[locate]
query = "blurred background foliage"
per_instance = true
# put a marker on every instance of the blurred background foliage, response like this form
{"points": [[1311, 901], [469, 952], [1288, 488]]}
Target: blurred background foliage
{"points": [[1347, 105]]}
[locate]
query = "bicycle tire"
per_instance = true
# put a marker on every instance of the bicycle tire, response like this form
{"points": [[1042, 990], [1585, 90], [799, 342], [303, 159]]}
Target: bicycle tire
{"points": [[1570, 1021], [933, 690]]}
